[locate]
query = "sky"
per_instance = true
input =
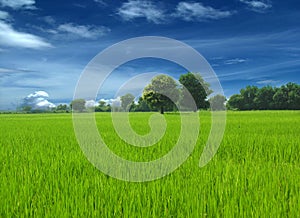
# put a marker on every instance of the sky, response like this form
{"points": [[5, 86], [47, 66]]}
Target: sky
{"points": [[45, 45]]}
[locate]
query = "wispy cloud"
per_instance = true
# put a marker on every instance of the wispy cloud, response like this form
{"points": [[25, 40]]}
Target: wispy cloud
{"points": [[5, 70], [49, 20], [16, 70], [259, 73], [260, 6], [141, 9], [198, 12], [83, 31], [101, 2], [4, 15], [78, 5], [235, 61], [13, 38], [266, 82], [72, 30], [18, 4]]}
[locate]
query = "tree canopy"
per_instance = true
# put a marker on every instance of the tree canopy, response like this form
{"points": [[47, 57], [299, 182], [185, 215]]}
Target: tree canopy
{"points": [[78, 105], [162, 93], [197, 87], [286, 97], [217, 102], [127, 101]]}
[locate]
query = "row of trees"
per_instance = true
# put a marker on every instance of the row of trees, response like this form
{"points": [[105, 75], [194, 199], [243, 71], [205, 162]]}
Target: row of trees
{"points": [[163, 94], [286, 97], [127, 103]]}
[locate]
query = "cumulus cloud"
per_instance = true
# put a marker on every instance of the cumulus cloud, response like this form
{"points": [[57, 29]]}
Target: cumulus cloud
{"points": [[91, 103], [38, 101], [198, 12], [18, 4], [141, 9], [83, 31], [13, 38], [257, 5], [116, 102]]}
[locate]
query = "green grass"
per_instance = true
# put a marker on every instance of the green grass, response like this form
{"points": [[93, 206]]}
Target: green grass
{"points": [[255, 173]]}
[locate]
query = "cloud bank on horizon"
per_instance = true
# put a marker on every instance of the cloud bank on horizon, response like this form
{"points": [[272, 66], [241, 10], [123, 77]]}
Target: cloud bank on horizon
{"points": [[38, 101]]}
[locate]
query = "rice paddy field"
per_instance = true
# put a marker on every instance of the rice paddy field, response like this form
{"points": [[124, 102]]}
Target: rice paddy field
{"points": [[255, 173]]}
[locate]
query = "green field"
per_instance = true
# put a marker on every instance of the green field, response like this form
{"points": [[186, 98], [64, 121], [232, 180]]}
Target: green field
{"points": [[255, 173]]}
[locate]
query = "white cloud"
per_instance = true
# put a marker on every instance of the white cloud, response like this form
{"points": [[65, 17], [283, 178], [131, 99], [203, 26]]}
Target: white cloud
{"points": [[91, 103], [88, 31], [197, 11], [141, 9], [49, 20], [37, 94], [5, 70], [257, 6], [266, 82], [45, 30], [235, 61], [10, 37], [101, 2], [38, 100], [18, 4], [4, 15], [115, 102], [45, 104], [78, 5]]}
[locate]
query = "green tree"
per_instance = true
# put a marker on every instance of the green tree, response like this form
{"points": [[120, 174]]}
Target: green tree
{"points": [[235, 102], [249, 94], [127, 101], [142, 105], [61, 107], [293, 96], [264, 98], [27, 108], [197, 87], [281, 97], [287, 97], [217, 102], [102, 103], [160, 91], [78, 105], [103, 107]]}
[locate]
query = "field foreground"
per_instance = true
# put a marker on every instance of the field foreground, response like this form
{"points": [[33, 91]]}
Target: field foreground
{"points": [[256, 171]]}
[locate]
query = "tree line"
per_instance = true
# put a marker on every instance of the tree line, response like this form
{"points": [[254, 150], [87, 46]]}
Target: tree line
{"points": [[286, 97], [164, 94]]}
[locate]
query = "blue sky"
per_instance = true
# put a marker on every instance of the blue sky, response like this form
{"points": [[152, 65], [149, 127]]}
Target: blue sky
{"points": [[45, 45]]}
